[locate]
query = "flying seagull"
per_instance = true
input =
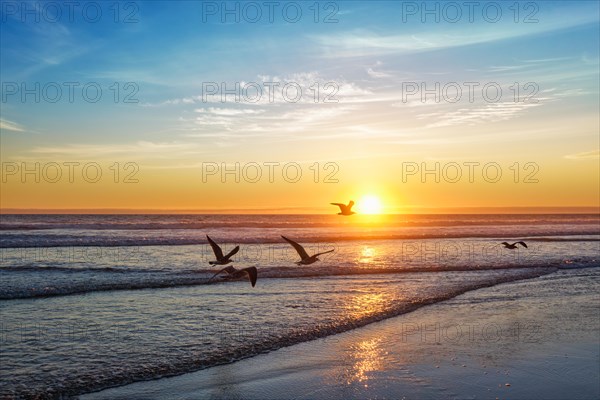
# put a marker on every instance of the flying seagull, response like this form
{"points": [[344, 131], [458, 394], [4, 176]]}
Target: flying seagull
{"points": [[345, 209], [221, 259], [305, 258], [514, 245], [238, 273]]}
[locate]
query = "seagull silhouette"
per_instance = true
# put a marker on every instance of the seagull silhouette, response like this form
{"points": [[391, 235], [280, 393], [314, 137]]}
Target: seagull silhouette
{"points": [[238, 273], [305, 258], [221, 259], [514, 245], [345, 209]]}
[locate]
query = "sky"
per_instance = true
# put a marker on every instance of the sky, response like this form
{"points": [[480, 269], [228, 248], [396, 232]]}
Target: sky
{"points": [[154, 105]]}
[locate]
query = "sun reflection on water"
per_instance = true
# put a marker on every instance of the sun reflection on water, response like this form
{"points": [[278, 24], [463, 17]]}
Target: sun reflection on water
{"points": [[368, 358], [366, 255], [366, 304]]}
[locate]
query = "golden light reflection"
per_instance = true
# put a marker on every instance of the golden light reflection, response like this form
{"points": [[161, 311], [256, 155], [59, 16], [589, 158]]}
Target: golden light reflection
{"points": [[368, 357], [368, 221], [366, 304], [366, 255]]}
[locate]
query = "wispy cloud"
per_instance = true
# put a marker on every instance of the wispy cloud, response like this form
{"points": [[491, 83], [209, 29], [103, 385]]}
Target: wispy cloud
{"points": [[363, 42], [494, 112], [10, 126], [274, 122], [503, 68], [296, 88], [43, 44], [587, 155], [133, 150], [378, 74], [228, 111]]}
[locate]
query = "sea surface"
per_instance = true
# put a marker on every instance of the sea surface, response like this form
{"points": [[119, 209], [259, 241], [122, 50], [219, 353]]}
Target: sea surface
{"points": [[89, 302]]}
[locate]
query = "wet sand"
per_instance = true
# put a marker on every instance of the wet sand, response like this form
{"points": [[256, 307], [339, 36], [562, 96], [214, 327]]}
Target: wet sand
{"points": [[531, 339]]}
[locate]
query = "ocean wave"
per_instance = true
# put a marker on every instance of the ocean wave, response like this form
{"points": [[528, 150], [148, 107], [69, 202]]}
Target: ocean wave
{"points": [[217, 221], [195, 358], [69, 281], [17, 240]]}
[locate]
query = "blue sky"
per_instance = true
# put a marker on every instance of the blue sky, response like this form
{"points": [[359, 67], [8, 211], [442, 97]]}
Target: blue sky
{"points": [[169, 52]]}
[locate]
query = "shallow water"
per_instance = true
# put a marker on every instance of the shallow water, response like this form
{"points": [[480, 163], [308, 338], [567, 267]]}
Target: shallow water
{"points": [[71, 322], [540, 336]]}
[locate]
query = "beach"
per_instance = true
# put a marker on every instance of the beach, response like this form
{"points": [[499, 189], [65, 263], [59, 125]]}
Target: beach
{"points": [[129, 303], [322, 200], [537, 338]]}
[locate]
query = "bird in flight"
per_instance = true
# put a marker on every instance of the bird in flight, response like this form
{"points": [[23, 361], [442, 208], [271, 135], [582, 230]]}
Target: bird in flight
{"points": [[221, 259], [514, 245], [238, 273], [305, 258], [345, 209]]}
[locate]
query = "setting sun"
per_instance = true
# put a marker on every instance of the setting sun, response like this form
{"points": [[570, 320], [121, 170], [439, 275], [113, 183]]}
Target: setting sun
{"points": [[281, 171], [369, 205]]}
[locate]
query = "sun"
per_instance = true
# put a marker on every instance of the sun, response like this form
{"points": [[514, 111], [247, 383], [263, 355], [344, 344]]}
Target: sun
{"points": [[369, 204]]}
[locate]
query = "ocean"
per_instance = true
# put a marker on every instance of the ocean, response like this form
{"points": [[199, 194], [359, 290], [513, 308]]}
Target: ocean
{"points": [[89, 302]]}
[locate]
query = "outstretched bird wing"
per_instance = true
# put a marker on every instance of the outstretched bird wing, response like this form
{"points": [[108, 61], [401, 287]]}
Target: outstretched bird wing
{"points": [[325, 252], [229, 270], [215, 248], [252, 274], [301, 252], [232, 252], [340, 205], [522, 244]]}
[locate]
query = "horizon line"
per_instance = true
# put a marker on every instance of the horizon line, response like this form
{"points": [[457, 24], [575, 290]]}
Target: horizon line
{"points": [[286, 210]]}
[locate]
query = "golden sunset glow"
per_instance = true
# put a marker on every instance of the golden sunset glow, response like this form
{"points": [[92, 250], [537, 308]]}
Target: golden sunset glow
{"points": [[369, 204], [373, 120], [409, 182]]}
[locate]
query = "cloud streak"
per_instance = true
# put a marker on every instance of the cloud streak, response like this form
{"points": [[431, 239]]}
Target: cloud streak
{"points": [[10, 126], [587, 155], [488, 113], [365, 42]]}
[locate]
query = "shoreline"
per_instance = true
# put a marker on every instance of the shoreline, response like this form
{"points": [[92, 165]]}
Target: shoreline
{"points": [[497, 341]]}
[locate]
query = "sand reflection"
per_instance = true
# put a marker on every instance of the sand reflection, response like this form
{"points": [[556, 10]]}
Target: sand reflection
{"points": [[368, 358]]}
